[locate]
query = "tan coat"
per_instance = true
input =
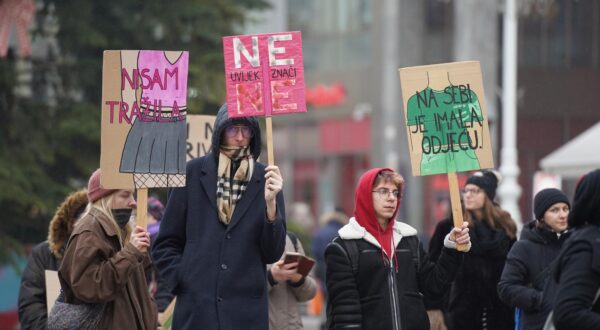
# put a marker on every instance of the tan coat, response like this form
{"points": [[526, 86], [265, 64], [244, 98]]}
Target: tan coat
{"points": [[96, 270], [284, 313]]}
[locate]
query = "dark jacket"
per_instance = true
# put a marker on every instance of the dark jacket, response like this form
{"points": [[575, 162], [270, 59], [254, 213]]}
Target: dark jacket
{"points": [[217, 271], [578, 275], [378, 295], [95, 269], [474, 302], [46, 256], [332, 222], [525, 272], [436, 246]]}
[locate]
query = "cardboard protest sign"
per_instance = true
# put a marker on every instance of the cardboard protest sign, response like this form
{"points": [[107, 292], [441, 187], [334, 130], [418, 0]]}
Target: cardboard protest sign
{"points": [[52, 288], [199, 135], [446, 118], [144, 103], [264, 74]]}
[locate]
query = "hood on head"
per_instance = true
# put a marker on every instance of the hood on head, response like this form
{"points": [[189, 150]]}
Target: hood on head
{"points": [[585, 203], [63, 220], [364, 212], [223, 121]]}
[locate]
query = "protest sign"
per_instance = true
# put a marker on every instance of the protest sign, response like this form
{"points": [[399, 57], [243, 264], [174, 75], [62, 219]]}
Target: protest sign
{"points": [[144, 105], [264, 76], [446, 122], [199, 135]]}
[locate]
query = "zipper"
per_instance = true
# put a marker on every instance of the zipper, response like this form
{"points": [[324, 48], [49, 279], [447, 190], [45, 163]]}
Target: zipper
{"points": [[394, 297]]}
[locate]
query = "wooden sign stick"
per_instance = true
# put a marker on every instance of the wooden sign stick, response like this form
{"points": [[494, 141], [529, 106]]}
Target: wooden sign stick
{"points": [[270, 156], [457, 214], [142, 208]]}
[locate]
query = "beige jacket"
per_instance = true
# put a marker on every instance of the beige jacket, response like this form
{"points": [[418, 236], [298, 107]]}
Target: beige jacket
{"points": [[284, 313]]}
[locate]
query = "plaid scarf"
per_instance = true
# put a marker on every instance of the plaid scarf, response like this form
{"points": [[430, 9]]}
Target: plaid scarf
{"points": [[230, 189]]}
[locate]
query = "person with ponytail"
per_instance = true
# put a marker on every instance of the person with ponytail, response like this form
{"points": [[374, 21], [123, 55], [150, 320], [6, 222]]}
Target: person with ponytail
{"points": [[474, 302], [105, 261], [377, 270]]}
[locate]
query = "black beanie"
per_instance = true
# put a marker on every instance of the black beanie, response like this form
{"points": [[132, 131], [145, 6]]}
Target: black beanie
{"points": [[486, 180], [545, 199]]}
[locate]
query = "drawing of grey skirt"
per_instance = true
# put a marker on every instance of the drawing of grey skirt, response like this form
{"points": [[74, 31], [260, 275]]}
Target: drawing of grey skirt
{"points": [[155, 147]]}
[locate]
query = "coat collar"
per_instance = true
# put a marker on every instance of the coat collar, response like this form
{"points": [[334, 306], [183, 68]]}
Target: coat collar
{"points": [[355, 231], [209, 184], [104, 222]]}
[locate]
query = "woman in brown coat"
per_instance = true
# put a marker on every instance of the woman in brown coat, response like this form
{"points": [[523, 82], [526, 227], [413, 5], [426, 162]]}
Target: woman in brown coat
{"points": [[104, 262]]}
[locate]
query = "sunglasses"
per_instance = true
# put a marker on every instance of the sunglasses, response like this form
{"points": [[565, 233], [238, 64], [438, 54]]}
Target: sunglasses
{"points": [[233, 131]]}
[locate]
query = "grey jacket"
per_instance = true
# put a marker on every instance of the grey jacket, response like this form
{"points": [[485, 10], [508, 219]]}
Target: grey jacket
{"points": [[284, 298]]}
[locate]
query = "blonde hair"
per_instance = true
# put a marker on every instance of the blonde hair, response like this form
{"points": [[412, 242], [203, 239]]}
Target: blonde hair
{"points": [[495, 217], [104, 206]]}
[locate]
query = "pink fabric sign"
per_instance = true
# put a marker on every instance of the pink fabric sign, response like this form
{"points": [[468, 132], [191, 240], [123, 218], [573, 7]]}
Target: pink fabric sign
{"points": [[264, 74]]}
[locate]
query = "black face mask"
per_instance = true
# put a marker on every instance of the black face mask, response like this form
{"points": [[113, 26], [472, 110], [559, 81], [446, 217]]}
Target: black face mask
{"points": [[122, 216]]}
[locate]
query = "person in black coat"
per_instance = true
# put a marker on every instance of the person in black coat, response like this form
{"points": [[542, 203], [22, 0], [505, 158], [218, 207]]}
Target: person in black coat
{"points": [[220, 231], [578, 273], [530, 259], [473, 302], [377, 270], [47, 255]]}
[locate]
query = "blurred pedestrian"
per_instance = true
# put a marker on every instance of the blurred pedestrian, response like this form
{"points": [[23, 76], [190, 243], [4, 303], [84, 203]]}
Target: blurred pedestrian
{"points": [[47, 256], [221, 230], [530, 259], [287, 288], [159, 288], [474, 303], [105, 259], [330, 223], [578, 273], [377, 270]]}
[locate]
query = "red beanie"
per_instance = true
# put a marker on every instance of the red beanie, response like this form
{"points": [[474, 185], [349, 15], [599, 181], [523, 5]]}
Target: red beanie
{"points": [[95, 190]]}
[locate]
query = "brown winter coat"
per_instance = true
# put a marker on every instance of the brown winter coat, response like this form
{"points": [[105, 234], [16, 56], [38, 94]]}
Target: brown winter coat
{"points": [[96, 270]]}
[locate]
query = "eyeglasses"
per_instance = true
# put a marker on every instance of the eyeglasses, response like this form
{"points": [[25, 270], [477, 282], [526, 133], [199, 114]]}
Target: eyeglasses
{"points": [[232, 131], [385, 192], [473, 191]]}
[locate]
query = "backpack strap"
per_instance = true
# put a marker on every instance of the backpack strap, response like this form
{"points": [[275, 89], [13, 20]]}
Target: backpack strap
{"points": [[353, 254], [294, 240]]}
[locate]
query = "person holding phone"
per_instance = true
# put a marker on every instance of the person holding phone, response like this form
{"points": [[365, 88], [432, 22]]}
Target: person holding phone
{"points": [[287, 288]]}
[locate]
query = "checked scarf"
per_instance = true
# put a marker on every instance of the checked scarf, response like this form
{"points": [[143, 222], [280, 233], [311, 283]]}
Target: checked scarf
{"points": [[230, 189]]}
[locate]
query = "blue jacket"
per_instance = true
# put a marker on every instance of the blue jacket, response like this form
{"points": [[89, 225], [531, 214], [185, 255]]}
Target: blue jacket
{"points": [[218, 272]]}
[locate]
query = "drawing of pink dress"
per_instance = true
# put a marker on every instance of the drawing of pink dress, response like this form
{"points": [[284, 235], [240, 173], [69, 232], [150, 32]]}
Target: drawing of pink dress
{"points": [[156, 143]]}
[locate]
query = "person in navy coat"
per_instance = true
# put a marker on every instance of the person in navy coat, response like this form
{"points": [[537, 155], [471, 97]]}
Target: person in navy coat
{"points": [[220, 231]]}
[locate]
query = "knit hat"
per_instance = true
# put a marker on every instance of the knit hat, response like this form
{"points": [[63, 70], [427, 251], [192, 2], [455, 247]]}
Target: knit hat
{"points": [[95, 190], [545, 199], [486, 180]]}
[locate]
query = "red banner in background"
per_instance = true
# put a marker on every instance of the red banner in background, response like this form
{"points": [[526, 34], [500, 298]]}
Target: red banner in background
{"points": [[20, 13]]}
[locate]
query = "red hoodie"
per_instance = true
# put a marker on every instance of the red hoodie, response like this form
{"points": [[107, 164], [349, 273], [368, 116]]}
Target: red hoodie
{"points": [[364, 212]]}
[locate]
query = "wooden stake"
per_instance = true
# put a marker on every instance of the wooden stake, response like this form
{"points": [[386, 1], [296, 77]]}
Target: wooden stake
{"points": [[142, 208], [457, 214], [270, 155]]}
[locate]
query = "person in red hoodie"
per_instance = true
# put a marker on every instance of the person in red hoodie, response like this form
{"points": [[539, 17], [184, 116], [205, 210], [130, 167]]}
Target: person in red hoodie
{"points": [[377, 270]]}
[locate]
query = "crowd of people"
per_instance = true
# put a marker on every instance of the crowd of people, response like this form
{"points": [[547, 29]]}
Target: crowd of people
{"points": [[217, 249]]}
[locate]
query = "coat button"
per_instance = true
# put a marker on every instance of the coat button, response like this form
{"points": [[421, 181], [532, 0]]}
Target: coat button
{"points": [[223, 266], [219, 299], [228, 236]]}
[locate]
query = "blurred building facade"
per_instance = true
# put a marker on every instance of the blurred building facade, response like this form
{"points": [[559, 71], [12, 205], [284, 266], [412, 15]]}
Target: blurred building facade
{"points": [[352, 50]]}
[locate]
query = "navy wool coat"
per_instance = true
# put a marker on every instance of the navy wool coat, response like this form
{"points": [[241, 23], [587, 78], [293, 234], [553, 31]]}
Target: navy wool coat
{"points": [[217, 272]]}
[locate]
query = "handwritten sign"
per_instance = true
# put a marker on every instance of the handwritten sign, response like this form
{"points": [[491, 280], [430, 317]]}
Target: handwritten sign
{"points": [[144, 104], [446, 118], [264, 74], [199, 135]]}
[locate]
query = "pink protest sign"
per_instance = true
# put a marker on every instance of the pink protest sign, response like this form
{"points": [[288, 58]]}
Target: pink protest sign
{"points": [[264, 74]]}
